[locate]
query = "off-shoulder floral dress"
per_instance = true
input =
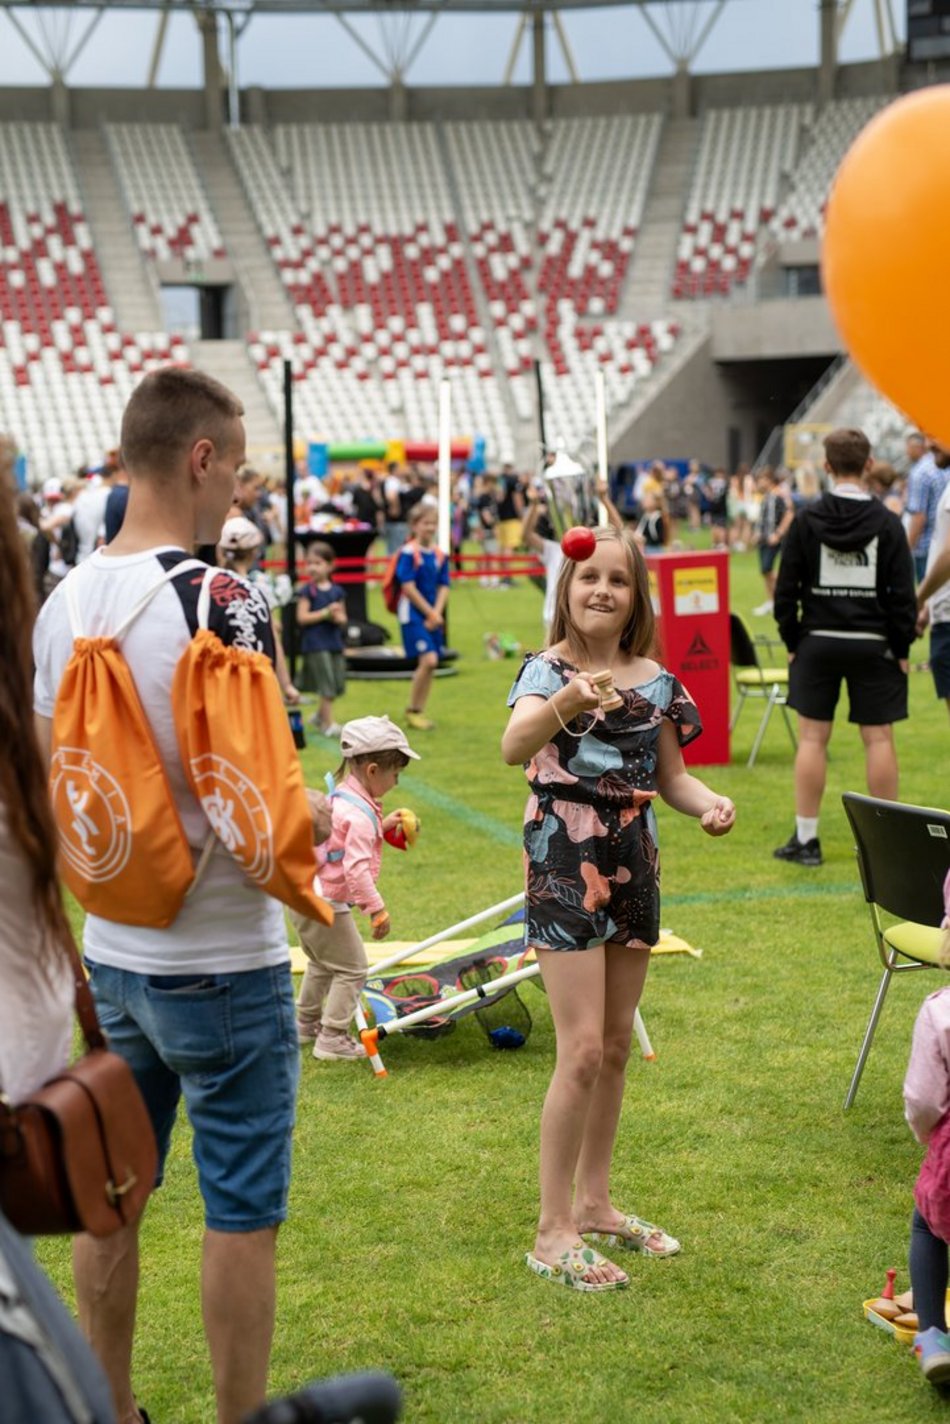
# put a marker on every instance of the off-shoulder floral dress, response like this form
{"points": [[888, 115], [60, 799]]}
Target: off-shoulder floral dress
{"points": [[592, 869]]}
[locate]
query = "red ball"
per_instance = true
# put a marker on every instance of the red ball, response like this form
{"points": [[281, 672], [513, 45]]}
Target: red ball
{"points": [[579, 543]]}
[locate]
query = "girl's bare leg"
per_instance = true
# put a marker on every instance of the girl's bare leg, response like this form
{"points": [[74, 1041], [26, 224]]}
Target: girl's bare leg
{"points": [[575, 984], [625, 973]]}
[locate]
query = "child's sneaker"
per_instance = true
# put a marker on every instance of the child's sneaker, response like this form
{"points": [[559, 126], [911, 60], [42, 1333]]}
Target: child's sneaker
{"points": [[418, 721], [333, 730], [336, 1043], [932, 1348], [308, 1033]]}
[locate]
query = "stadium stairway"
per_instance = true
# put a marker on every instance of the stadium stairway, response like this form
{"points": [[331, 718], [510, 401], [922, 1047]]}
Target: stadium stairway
{"points": [[228, 361], [132, 288], [647, 290], [266, 300], [671, 384], [524, 438]]}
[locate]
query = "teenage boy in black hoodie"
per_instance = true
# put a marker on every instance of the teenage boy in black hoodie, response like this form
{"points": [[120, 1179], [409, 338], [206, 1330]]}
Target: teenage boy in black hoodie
{"points": [[845, 607]]}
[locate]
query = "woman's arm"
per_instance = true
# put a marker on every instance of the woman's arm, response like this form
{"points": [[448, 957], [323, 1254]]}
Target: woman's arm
{"points": [[686, 793], [535, 720], [937, 576]]}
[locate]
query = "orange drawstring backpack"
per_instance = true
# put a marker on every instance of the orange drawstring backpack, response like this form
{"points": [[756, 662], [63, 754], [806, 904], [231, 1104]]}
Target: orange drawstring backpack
{"points": [[125, 856], [123, 849], [241, 763]]}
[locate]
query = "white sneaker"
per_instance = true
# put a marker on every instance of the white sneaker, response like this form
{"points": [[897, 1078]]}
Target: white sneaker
{"points": [[335, 1043], [763, 610]]}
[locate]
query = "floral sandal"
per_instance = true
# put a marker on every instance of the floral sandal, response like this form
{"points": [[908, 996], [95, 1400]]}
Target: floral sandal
{"points": [[571, 1267], [635, 1234]]}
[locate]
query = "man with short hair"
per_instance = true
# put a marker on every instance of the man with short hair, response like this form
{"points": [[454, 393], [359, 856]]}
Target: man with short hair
{"points": [[926, 482], [845, 608], [252, 502], [89, 511], [202, 1009]]}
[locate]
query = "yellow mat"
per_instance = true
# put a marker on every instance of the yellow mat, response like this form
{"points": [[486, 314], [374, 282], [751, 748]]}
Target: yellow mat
{"points": [[376, 950]]}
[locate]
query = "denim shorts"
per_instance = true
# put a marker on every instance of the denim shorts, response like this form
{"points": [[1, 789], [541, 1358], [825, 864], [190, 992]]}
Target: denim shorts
{"points": [[227, 1044]]}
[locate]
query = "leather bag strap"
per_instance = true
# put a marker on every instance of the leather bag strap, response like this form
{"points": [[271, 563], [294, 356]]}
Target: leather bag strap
{"points": [[85, 1004]]}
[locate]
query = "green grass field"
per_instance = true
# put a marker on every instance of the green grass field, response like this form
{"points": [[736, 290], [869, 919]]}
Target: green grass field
{"points": [[414, 1199]]}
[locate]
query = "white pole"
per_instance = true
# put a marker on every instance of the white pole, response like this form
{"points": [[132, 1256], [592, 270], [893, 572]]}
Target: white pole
{"points": [[445, 466], [445, 1006], [600, 394], [511, 903]]}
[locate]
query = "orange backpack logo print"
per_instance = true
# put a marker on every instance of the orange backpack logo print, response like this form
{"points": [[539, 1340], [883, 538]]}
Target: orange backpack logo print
{"points": [[87, 799], [236, 812]]}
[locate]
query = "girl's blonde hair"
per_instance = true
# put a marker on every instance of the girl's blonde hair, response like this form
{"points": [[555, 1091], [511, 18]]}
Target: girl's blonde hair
{"points": [[639, 632]]}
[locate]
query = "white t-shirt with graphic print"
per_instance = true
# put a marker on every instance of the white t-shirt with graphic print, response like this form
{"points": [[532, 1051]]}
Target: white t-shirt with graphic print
{"points": [[226, 924]]}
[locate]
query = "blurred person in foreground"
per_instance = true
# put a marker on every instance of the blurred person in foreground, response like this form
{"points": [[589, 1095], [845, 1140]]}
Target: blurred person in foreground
{"points": [[36, 1000]]}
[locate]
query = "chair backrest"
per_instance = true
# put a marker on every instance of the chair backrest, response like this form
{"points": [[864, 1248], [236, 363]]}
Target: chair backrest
{"points": [[903, 854], [741, 647]]}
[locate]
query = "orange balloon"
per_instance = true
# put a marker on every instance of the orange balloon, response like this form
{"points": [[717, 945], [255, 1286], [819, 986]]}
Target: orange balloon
{"points": [[885, 260]]}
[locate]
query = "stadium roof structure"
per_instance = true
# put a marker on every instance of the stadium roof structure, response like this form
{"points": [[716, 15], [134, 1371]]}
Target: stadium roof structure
{"points": [[680, 27]]}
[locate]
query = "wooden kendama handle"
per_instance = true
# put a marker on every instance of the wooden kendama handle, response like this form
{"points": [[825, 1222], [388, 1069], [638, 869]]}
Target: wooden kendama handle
{"points": [[609, 696]]}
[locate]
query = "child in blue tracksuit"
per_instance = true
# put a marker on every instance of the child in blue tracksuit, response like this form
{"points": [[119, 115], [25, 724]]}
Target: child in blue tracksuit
{"points": [[422, 572]]}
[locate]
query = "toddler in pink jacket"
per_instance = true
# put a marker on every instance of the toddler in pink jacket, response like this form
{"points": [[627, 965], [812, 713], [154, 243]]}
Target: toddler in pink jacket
{"points": [[374, 752], [927, 1109]]}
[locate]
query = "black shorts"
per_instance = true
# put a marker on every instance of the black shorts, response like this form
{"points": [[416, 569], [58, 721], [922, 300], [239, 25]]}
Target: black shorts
{"points": [[877, 689], [940, 658]]}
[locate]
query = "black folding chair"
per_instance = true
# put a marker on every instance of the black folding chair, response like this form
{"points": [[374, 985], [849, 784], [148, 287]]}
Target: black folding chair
{"points": [[903, 856]]}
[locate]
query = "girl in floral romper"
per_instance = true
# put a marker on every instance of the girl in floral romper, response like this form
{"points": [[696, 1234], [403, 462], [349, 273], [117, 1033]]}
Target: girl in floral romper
{"points": [[592, 882]]}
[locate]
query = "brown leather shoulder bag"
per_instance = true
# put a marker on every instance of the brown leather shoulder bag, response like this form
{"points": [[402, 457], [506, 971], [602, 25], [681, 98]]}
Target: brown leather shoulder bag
{"points": [[79, 1154]]}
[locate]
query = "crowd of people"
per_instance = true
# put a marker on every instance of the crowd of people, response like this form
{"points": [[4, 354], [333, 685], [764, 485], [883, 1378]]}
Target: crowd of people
{"points": [[203, 1008]]}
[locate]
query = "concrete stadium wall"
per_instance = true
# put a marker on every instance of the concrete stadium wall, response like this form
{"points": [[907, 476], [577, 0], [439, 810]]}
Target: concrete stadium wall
{"points": [[691, 416], [86, 108], [800, 326]]}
